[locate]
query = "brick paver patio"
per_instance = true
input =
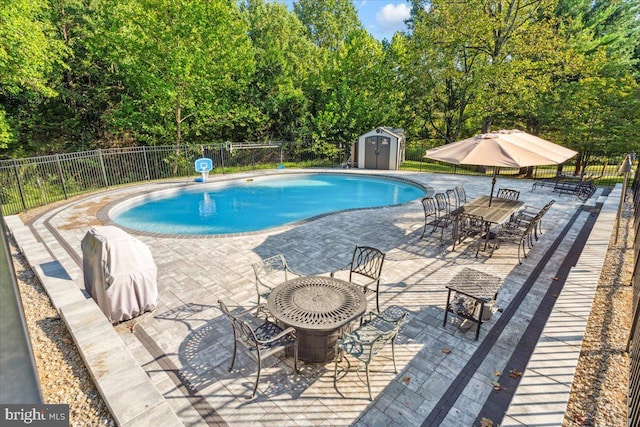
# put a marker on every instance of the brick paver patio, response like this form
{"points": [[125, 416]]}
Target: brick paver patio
{"points": [[445, 376]]}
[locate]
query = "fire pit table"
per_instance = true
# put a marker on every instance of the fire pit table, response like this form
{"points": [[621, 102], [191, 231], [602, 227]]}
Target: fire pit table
{"points": [[318, 307]]}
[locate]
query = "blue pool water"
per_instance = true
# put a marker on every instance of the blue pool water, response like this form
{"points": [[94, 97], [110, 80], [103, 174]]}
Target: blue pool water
{"points": [[258, 204]]}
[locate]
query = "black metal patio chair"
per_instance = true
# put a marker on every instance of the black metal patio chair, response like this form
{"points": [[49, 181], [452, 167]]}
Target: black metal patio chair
{"points": [[467, 225], [259, 338], [364, 270], [507, 193], [462, 195], [529, 213], [452, 199], [271, 272], [366, 342], [444, 211], [518, 234], [431, 219]]}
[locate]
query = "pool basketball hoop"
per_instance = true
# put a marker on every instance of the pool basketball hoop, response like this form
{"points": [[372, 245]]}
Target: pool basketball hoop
{"points": [[203, 166]]}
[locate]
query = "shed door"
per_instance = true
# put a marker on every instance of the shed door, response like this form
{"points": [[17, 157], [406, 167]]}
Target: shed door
{"points": [[376, 152]]}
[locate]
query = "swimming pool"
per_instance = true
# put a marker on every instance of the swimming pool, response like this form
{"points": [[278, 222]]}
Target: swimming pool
{"points": [[260, 203]]}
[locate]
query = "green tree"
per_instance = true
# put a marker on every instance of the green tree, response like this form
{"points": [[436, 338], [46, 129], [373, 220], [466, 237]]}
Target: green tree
{"points": [[354, 86], [395, 93], [329, 22], [473, 63], [73, 120], [348, 92], [284, 58], [437, 73], [29, 53], [595, 103], [180, 67]]}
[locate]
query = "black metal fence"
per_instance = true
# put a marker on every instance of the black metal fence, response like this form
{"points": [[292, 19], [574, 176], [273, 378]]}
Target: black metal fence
{"points": [[602, 168], [30, 182], [634, 337]]}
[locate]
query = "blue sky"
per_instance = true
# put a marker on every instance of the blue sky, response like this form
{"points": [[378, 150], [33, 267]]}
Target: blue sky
{"points": [[381, 18]]}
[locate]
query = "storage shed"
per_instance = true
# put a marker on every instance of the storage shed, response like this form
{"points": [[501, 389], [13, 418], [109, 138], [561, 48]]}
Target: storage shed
{"points": [[380, 148]]}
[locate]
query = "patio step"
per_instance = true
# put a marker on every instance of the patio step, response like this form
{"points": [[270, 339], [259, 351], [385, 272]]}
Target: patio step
{"points": [[127, 390]]}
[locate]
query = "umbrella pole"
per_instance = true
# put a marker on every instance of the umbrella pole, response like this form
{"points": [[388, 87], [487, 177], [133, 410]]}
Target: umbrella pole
{"points": [[493, 184]]}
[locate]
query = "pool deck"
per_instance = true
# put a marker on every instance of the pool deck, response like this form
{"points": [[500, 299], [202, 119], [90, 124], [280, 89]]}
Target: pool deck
{"points": [[169, 367]]}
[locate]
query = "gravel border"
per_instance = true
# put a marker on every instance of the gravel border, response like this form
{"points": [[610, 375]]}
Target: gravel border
{"points": [[601, 383], [64, 379]]}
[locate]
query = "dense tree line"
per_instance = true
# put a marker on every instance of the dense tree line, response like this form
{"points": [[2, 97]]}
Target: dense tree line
{"points": [[83, 74]]}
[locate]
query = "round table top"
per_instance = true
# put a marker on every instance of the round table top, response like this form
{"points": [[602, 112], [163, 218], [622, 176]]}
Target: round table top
{"points": [[316, 302]]}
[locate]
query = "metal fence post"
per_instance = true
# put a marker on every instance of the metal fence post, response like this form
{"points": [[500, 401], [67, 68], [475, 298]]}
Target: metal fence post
{"points": [[17, 173], [146, 162], [222, 158], [64, 187], [186, 158], [104, 171]]}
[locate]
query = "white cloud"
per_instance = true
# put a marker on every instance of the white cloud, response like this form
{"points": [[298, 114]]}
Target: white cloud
{"points": [[392, 16]]}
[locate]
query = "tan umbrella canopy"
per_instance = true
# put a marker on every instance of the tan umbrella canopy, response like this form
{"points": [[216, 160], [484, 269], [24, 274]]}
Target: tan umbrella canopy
{"points": [[504, 148]]}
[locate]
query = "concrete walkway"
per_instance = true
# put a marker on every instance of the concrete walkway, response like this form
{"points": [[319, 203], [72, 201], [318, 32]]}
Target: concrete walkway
{"points": [[169, 367]]}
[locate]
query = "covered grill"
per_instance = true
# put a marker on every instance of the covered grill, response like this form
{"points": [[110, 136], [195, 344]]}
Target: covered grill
{"points": [[119, 273]]}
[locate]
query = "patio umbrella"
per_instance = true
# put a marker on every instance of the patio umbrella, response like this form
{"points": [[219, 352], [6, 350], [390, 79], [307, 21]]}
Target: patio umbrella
{"points": [[504, 148]]}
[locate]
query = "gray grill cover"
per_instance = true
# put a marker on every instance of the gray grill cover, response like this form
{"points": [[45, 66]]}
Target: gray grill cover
{"points": [[119, 273]]}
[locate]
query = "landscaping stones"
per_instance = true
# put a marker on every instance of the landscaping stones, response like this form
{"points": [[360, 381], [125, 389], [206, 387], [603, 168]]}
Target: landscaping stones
{"points": [[63, 376]]}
